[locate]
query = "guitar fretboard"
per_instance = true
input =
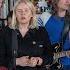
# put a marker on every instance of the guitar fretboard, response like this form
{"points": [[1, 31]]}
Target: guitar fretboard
{"points": [[61, 54]]}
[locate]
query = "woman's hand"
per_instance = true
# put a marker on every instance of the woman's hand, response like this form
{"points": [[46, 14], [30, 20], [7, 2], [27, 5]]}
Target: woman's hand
{"points": [[22, 61], [25, 61], [33, 62], [40, 61]]}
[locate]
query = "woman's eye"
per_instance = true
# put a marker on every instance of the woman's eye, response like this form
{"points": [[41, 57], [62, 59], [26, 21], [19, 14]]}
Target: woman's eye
{"points": [[18, 11]]}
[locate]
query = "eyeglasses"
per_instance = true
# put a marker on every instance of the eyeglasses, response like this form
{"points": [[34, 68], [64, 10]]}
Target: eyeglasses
{"points": [[22, 11]]}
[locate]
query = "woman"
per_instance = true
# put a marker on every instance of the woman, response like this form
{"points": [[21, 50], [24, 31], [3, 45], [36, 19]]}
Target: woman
{"points": [[34, 51]]}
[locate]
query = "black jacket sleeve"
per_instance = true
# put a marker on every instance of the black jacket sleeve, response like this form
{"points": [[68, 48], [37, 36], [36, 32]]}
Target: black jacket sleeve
{"points": [[2, 49], [5, 47]]}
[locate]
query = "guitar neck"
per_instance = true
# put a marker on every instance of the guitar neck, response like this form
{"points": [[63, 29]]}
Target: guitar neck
{"points": [[61, 54]]}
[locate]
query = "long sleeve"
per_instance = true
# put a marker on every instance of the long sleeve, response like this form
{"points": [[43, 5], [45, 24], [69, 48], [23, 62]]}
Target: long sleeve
{"points": [[2, 49]]}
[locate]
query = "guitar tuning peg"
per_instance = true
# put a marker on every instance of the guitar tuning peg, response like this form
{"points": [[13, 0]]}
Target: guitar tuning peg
{"points": [[56, 47]]}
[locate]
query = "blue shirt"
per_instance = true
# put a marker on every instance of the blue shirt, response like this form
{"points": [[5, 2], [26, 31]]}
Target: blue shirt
{"points": [[54, 26]]}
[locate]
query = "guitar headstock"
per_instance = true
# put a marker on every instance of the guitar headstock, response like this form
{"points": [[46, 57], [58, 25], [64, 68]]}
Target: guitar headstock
{"points": [[57, 47]]}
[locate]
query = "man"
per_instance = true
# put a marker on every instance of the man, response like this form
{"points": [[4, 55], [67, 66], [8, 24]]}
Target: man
{"points": [[1, 1], [54, 24]]}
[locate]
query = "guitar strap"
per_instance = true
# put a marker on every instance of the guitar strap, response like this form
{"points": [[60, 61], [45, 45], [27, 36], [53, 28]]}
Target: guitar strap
{"points": [[65, 30], [64, 33]]}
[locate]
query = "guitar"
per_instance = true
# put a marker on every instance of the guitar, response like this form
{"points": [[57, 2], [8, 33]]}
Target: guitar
{"points": [[55, 62], [58, 53], [56, 56], [61, 54]]}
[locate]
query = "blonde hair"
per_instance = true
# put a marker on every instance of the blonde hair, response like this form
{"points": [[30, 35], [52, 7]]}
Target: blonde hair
{"points": [[33, 21]]}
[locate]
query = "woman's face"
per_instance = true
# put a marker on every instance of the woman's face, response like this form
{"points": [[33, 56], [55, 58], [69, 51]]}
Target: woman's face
{"points": [[23, 13], [64, 4]]}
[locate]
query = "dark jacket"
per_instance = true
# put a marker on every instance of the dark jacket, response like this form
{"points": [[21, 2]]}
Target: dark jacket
{"points": [[35, 43]]}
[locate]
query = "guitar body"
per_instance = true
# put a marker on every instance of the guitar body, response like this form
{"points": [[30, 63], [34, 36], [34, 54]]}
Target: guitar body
{"points": [[56, 65], [58, 53]]}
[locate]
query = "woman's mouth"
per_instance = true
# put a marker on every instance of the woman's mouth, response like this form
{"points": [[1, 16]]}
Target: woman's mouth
{"points": [[23, 18]]}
